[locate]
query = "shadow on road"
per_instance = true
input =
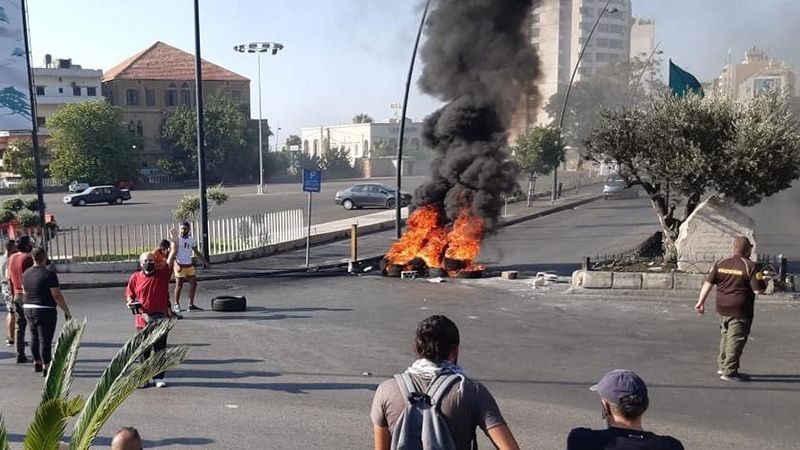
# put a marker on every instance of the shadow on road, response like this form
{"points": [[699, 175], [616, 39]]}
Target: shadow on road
{"points": [[289, 388], [262, 313], [564, 269]]}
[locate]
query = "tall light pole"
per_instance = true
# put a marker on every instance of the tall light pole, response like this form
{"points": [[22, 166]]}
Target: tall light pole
{"points": [[646, 67], [201, 139], [554, 192], [399, 174], [258, 48]]}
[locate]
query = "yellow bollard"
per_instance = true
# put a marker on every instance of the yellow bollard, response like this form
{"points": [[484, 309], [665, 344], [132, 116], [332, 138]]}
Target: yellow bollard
{"points": [[354, 243]]}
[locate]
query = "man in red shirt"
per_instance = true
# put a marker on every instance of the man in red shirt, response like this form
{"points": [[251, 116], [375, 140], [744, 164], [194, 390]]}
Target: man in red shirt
{"points": [[17, 264], [150, 288]]}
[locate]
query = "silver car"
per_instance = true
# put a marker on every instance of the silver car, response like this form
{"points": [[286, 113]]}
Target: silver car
{"points": [[370, 195], [616, 187]]}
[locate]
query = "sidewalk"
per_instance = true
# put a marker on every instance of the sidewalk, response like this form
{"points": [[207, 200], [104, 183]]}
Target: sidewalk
{"points": [[329, 255]]}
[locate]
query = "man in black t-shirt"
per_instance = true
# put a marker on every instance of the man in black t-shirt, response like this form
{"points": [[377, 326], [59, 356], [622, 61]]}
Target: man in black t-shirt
{"points": [[623, 396]]}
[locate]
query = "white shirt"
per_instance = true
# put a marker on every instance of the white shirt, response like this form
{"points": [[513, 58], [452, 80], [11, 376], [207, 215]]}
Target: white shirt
{"points": [[185, 253]]}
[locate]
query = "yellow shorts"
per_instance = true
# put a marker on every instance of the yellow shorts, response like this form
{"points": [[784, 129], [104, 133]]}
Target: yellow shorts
{"points": [[184, 272]]}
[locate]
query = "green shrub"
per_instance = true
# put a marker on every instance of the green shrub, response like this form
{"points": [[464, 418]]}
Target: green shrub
{"points": [[13, 204], [28, 219], [32, 204], [6, 216]]}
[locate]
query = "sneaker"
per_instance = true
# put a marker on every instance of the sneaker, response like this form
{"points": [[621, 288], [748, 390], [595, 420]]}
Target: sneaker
{"points": [[44, 373], [161, 383], [720, 372], [176, 308], [733, 377], [22, 360], [195, 308], [37, 367], [9, 342]]}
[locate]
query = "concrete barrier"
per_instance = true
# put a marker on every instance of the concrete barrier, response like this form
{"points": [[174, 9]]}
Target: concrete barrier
{"points": [[597, 280], [661, 281], [689, 281], [626, 280]]}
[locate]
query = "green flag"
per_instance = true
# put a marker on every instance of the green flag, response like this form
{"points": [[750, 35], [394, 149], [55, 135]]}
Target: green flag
{"points": [[681, 81]]}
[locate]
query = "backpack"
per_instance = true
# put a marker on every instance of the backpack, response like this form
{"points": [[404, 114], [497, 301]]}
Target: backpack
{"points": [[421, 426]]}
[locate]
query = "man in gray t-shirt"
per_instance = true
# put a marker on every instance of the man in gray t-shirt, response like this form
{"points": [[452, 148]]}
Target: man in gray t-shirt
{"points": [[466, 405]]}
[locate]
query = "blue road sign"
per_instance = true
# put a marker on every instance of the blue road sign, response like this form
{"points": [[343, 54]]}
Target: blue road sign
{"points": [[312, 180]]}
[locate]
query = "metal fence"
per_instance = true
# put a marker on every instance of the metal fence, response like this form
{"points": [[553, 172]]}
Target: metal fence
{"points": [[115, 243]]}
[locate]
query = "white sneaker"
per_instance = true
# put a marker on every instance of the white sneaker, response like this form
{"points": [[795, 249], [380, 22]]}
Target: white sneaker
{"points": [[146, 384], [176, 308], [161, 383]]}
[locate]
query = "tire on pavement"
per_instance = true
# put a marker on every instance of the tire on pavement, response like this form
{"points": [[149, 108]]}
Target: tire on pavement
{"points": [[390, 203], [348, 204], [81, 202], [229, 303]]}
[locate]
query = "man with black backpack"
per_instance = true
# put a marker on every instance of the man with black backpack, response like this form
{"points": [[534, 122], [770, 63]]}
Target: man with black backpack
{"points": [[433, 405]]}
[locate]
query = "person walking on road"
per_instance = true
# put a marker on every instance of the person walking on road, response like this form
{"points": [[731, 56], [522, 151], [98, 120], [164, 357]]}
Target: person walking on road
{"points": [[184, 267], [8, 296], [42, 295], [738, 281], [465, 404], [18, 263], [149, 287], [624, 399]]}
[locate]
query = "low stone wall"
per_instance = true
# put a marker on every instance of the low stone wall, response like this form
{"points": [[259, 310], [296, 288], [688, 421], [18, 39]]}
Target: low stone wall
{"points": [[595, 279]]}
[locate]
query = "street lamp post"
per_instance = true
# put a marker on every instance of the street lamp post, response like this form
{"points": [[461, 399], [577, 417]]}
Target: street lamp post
{"points": [[258, 48], [399, 174], [554, 192], [646, 67]]}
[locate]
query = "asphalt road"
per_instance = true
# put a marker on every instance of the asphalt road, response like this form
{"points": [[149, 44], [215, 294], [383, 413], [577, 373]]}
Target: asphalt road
{"points": [[155, 206], [289, 373], [777, 220]]}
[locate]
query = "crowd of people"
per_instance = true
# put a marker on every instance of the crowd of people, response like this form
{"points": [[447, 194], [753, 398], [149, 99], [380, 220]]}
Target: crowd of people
{"points": [[433, 401]]}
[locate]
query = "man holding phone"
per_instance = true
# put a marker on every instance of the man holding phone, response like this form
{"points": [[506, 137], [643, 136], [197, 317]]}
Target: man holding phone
{"points": [[147, 295]]}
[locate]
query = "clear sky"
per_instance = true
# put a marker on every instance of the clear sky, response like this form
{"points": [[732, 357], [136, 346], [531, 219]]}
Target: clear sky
{"points": [[344, 57]]}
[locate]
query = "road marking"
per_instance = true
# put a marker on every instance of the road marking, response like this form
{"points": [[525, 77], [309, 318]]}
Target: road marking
{"points": [[232, 406]]}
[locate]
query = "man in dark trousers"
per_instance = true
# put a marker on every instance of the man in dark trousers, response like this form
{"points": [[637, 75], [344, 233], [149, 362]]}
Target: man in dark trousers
{"points": [[738, 281], [624, 399], [18, 263], [150, 287]]}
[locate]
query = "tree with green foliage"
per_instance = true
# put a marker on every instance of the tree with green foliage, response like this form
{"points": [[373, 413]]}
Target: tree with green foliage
{"points": [[336, 162], [362, 118], [629, 83], [89, 143], [538, 151], [293, 139], [678, 149], [18, 158], [121, 378], [189, 205], [229, 154]]}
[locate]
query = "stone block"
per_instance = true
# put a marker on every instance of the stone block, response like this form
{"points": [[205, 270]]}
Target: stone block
{"points": [[689, 281], [577, 278], [597, 280], [509, 275], [659, 281], [707, 234], [627, 280]]}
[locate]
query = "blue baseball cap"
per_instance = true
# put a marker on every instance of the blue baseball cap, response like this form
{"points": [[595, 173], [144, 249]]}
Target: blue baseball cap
{"points": [[618, 383]]}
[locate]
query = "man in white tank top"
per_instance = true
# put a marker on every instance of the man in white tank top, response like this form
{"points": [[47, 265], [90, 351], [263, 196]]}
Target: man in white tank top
{"points": [[184, 266]]}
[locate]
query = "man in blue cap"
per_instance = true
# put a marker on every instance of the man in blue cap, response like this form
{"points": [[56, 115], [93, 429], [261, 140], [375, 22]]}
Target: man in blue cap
{"points": [[623, 396]]}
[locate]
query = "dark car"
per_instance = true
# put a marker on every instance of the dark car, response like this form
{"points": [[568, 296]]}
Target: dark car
{"points": [[98, 194], [370, 195]]}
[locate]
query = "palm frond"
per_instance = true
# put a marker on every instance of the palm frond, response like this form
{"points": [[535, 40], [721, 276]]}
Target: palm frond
{"points": [[47, 428], [4, 445], [110, 382], [59, 374], [128, 384]]}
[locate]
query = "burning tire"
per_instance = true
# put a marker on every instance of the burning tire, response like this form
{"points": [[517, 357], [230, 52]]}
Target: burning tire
{"points": [[452, 265], [435, 272], [390, 270], [470, 274], [229, 303]]}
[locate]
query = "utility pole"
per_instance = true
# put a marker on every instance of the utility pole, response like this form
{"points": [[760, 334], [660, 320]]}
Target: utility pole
{"points": [[201, 139]]}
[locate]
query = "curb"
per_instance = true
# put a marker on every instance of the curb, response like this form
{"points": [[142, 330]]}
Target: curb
{"points": [[329, 268]]}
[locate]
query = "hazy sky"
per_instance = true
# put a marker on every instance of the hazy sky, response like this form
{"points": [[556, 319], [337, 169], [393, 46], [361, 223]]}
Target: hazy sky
{"points": [[343, 57]]}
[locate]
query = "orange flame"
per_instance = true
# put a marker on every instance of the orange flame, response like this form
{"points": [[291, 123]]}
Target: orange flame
{"points": [[428, 240]]}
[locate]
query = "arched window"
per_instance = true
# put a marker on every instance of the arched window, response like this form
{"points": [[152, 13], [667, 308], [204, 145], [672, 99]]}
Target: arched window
{"points": [[305, 146], [316, 148], [171, 95], [139, 128], [186, 95], [131, 127], [366, 148]]}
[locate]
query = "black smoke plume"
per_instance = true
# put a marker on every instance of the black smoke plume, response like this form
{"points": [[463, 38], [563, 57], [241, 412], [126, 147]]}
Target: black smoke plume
{"points": [[479, 60]]}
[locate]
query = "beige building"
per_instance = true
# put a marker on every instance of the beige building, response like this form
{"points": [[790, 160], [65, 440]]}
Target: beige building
{"points": [[153, 83], [558, 31], [643, 37], [755, 74]]}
